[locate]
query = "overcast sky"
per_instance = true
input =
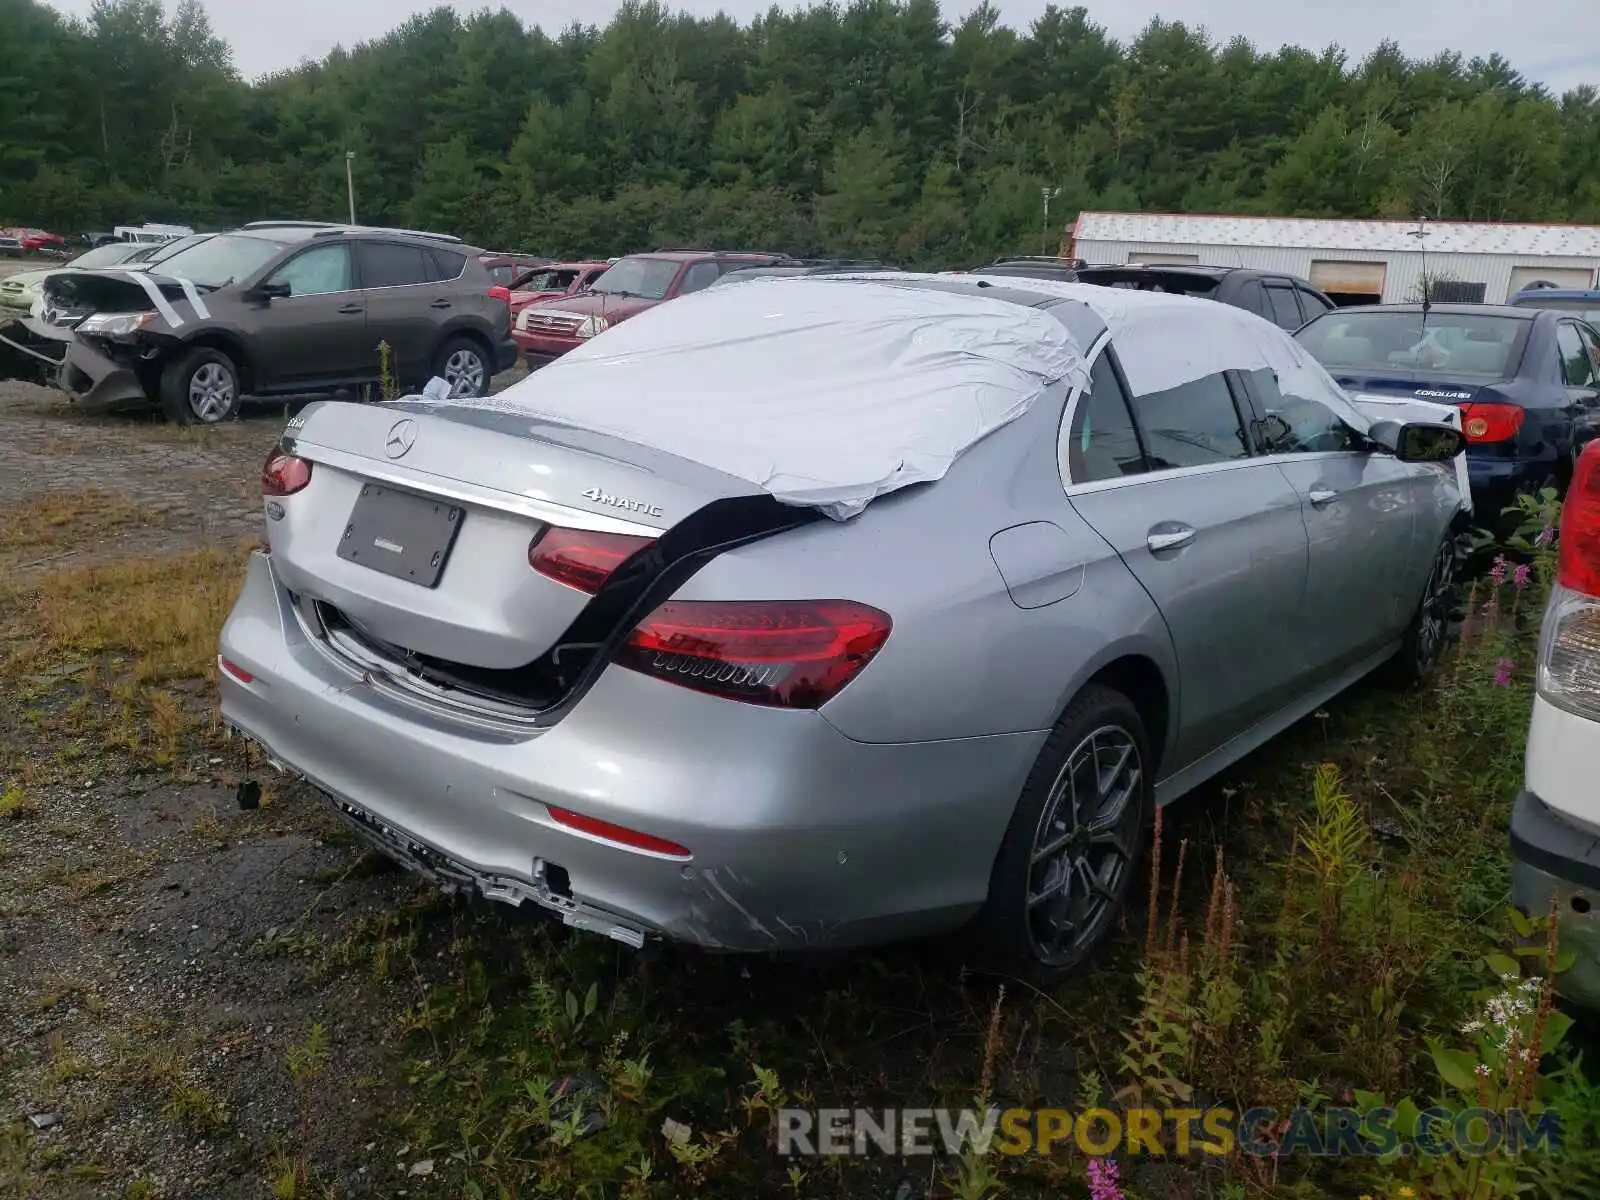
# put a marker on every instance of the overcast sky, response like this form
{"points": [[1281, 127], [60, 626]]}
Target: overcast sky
{"points": [[1556, 42]]}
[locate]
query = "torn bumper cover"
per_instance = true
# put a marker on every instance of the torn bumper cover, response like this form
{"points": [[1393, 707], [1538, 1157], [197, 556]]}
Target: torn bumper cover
{"points": [[99, 382], [30, 349], [797, 835]]}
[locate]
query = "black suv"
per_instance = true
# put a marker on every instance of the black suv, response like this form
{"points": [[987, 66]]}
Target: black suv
{"points": [[1286, 300], [282, 307]]}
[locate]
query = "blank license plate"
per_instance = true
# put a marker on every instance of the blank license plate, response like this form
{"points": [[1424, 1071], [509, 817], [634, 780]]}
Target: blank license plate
{"points": [[401, 534]]}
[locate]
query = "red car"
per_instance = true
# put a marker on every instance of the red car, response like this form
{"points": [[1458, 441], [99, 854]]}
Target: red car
{"points": [[38, 241], [547, 330], [552, 282]]}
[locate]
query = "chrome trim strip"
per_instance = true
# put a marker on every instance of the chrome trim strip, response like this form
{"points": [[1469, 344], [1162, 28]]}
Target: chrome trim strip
{"points": [[546, 511], [365, 666]]}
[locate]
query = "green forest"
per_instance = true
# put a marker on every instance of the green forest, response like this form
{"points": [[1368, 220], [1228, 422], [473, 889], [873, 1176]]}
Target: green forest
{"points": [[877, 129]]}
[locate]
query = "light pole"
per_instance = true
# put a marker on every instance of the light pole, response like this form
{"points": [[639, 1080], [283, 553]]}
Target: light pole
{"points": [[1049, 194], [350, 182]]}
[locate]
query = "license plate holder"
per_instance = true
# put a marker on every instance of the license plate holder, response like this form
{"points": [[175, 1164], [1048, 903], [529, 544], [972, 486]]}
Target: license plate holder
{"points": [[401, 534]]}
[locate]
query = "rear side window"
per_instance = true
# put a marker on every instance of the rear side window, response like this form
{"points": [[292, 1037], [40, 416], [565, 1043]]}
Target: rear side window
{"points": [[1191, 425], [1282, 310], [1311, 304], [1102, 443], [447, 264], [389, 264], [1253, 299], [1577, 365]]}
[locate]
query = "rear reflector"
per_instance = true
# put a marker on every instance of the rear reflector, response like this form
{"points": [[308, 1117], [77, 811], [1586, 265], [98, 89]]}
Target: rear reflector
{"points": [[284, 474], [1491, 422], [1579, 544], [782, 654], [579, 558], [616, 833], [235, 670]]}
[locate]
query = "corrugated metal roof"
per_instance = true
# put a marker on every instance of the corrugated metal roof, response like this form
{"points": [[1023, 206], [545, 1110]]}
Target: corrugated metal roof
{"points": [[1444, 237]]}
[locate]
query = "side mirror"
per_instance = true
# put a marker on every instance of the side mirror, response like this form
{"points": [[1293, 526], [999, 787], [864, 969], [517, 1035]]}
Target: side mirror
{"points": [[1419, 441], [271, 291]]}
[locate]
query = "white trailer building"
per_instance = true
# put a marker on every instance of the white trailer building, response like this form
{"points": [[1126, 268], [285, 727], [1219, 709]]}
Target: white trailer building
{"points": [[1355, 262]]}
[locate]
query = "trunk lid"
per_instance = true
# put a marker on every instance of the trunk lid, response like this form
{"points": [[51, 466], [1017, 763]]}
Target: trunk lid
{"points": [[360, 538], [1402, 396]]}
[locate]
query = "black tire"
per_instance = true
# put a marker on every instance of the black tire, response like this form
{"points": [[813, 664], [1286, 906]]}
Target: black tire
{"points": [[454, 363], [1062, 930], [200, 387], [1427, 634]]}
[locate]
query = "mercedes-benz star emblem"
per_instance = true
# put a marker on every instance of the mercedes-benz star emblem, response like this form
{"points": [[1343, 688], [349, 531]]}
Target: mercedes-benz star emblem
{"points": [[402, 436]]}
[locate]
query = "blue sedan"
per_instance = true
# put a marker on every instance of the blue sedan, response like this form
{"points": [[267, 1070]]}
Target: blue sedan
{"points": [[1527, 381]]}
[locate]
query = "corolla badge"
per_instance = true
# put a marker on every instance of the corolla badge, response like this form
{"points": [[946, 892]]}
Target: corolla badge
{"points": [[402, 436], [604, 497]]}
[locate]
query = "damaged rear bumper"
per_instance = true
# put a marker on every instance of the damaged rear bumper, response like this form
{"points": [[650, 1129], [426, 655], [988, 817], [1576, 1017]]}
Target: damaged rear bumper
{"points": [[98, 382], [799, 838]]}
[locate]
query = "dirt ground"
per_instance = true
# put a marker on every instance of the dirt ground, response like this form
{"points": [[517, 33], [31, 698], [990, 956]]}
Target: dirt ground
{"points": [[152, 935]]}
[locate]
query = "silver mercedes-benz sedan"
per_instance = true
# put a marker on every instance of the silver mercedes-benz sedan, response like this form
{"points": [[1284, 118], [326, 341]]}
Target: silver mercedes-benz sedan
{"points": [[826, 611]]}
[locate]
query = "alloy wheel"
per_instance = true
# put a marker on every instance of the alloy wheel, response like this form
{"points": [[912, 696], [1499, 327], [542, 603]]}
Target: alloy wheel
{"points": [[465, 373], [1084, 845], [211, 392], [1434, 618]]}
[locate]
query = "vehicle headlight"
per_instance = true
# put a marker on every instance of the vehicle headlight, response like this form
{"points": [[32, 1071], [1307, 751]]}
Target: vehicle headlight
{"points": [[591, 326], [116, 324]]}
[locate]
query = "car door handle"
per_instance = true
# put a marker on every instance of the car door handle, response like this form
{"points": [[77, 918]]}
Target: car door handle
{"points": [[352, 309], [1322, 496], [440, 303], [1169, 539]]}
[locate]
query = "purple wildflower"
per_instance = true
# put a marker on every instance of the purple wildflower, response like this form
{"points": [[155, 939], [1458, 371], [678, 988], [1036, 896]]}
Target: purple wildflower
{"points": [[1502, 672], [1521, 575], [1498, 571], [1103, 1180]]}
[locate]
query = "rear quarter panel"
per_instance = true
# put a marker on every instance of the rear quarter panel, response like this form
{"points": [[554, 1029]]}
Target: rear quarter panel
{"points": [[963, 659]]}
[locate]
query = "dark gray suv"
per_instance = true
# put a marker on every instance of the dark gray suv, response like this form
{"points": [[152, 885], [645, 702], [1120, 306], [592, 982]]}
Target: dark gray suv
{"points": [[281, 308]]}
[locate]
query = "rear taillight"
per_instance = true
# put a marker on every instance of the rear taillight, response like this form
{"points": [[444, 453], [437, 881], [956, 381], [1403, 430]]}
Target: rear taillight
{"points": [[783, 654], [1569, 642], [1491, 422], [580, 558], [1580, 526], [500, 293], [284, 474]]}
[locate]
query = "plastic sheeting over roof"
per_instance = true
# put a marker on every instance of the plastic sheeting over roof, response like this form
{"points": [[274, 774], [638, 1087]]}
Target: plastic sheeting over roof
{"points": [[1443, 237], [825, 392]]}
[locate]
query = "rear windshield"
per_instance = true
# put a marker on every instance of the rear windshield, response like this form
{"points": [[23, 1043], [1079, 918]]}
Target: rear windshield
{"points": [[1452, 343], [1585, 309], [224, 259], [648, 278]]}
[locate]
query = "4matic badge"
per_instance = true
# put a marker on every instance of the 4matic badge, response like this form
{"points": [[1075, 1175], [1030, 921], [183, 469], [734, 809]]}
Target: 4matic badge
{"points": [[604, 497]]}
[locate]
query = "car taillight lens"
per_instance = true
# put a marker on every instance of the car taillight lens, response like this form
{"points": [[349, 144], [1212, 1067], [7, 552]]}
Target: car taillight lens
{"points": [[1491, 422], [783, 654], [1569, 642], [580, 558], [619, 834], [1580, 526], [284, 474], [500, 293]]}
